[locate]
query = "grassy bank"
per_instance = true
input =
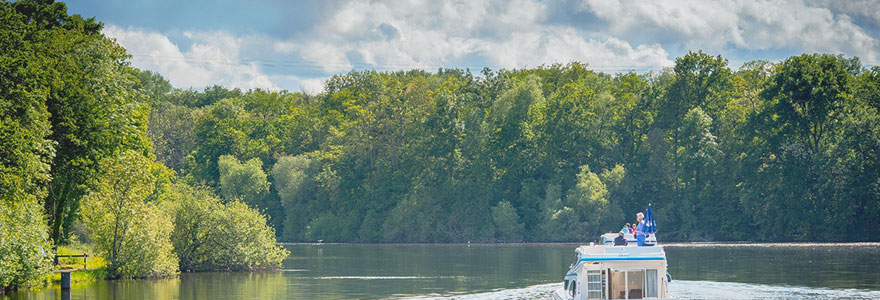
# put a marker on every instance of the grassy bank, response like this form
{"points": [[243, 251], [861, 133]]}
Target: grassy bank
{"points": [[95, 267], [82, 276]]}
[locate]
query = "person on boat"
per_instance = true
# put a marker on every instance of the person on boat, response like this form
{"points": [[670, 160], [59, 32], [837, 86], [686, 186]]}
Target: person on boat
{"points": [[620, 240], [640, 229], [626, 229]]}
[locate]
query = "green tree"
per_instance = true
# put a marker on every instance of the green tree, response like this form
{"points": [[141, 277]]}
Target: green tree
{"points": [[210, 235], [248, 183], [701, 80], [590, 198], [507, 222], [95, 113], [131, 232], [26, 151], [244, 181], [25, 247], [808, 91], [698, 155], [294, 180]]}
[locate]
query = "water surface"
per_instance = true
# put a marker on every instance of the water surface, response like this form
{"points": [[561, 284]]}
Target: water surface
{"points": [[520, 271]]}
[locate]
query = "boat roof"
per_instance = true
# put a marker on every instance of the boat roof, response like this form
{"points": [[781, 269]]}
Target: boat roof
{"points": [[617, 255], [630, 252]]}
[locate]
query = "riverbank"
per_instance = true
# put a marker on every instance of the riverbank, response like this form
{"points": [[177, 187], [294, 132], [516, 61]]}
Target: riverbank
{"points": [[92, 268]]}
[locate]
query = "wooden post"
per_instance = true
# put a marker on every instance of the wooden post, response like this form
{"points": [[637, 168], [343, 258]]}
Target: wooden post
{"points": [[65, 280]]}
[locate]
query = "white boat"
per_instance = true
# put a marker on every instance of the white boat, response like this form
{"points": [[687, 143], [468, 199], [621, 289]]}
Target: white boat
{"points": [[605, 271]]}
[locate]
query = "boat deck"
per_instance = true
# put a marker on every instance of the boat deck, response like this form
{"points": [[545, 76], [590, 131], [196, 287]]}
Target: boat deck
{"points": [[632, 251]]}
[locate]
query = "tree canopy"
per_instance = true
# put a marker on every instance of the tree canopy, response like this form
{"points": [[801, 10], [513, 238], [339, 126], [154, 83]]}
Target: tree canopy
{"points": [[764, 152]]}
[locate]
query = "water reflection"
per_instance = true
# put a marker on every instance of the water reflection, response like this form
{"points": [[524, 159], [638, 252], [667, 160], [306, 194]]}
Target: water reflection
{"points": [[508, 272], [809, 265]]}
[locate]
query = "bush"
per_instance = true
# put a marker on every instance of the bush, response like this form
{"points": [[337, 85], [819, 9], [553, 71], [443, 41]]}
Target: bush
{"points": [[209, 235], [129, 231], [25, 250]]}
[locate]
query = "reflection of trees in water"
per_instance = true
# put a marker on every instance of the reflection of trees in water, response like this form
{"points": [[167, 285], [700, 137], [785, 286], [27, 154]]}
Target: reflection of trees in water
{"points": [[844, 266], [159, 289], [254, 285]]}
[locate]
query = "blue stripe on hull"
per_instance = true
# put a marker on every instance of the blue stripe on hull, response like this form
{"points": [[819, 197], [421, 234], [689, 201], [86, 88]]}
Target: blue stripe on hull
{"points": [[621, 258]]}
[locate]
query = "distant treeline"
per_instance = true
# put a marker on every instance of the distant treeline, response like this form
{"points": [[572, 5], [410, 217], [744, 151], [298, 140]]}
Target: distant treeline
{"points": [[773, 151]]}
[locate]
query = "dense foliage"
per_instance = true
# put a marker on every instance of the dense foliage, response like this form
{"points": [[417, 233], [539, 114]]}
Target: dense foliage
{"points": [[781, 151], [26, 152], [74, 132], [130, 231], [210, 235]]}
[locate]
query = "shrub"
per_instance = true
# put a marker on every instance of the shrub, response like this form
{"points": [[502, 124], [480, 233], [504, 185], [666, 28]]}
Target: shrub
{"points": [[129, 231], [209, 235], [25, 250]]}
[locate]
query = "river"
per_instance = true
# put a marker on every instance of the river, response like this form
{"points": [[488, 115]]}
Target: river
{"points": [[510, 271]]}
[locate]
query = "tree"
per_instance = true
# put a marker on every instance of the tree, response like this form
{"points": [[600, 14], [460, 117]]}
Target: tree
{"points": [[697, 155], [295, 185], [590, 197], [210, 235], [242, 181], [171, 131], [25, 247], [131, 232], [808, 91], [95, 113], [216, 134], [507, 222], [419, 156], [153, 85], [248, 183], [26, 151], [701, 80]]}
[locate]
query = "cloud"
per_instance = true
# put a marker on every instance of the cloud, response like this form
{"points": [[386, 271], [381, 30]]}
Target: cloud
{"points": [[719, 26], [609, 35], [428, 35], [212, 58]]}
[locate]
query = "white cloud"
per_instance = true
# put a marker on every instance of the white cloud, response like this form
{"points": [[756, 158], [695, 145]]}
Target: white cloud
{"points": [[717, 26], [509, 34], [293, 83], [562, 45], [213, 58], [609, 35]]}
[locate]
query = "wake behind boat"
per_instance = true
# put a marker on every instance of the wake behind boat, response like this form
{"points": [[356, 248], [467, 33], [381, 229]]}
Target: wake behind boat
{"points": [[634, 270]]}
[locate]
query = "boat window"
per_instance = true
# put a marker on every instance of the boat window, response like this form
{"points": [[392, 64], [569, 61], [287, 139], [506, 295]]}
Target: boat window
{"points": [[635, 282], [618, 285], [573, 287], [651, 283], [594, 284], [632, 284]]}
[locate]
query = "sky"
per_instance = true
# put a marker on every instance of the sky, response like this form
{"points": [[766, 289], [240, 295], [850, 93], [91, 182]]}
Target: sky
{"points": [[296, 45]]}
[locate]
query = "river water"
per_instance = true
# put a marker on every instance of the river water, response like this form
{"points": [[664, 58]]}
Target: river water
{"points": [[510, 271]]}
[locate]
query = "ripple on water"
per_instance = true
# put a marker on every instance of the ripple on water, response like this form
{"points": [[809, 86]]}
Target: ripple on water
{"points": [[543, 291], [684, 289], [681, 289]]}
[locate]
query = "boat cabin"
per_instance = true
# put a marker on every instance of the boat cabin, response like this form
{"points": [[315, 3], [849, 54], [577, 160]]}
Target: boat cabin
{"points": [[621, 272]]}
